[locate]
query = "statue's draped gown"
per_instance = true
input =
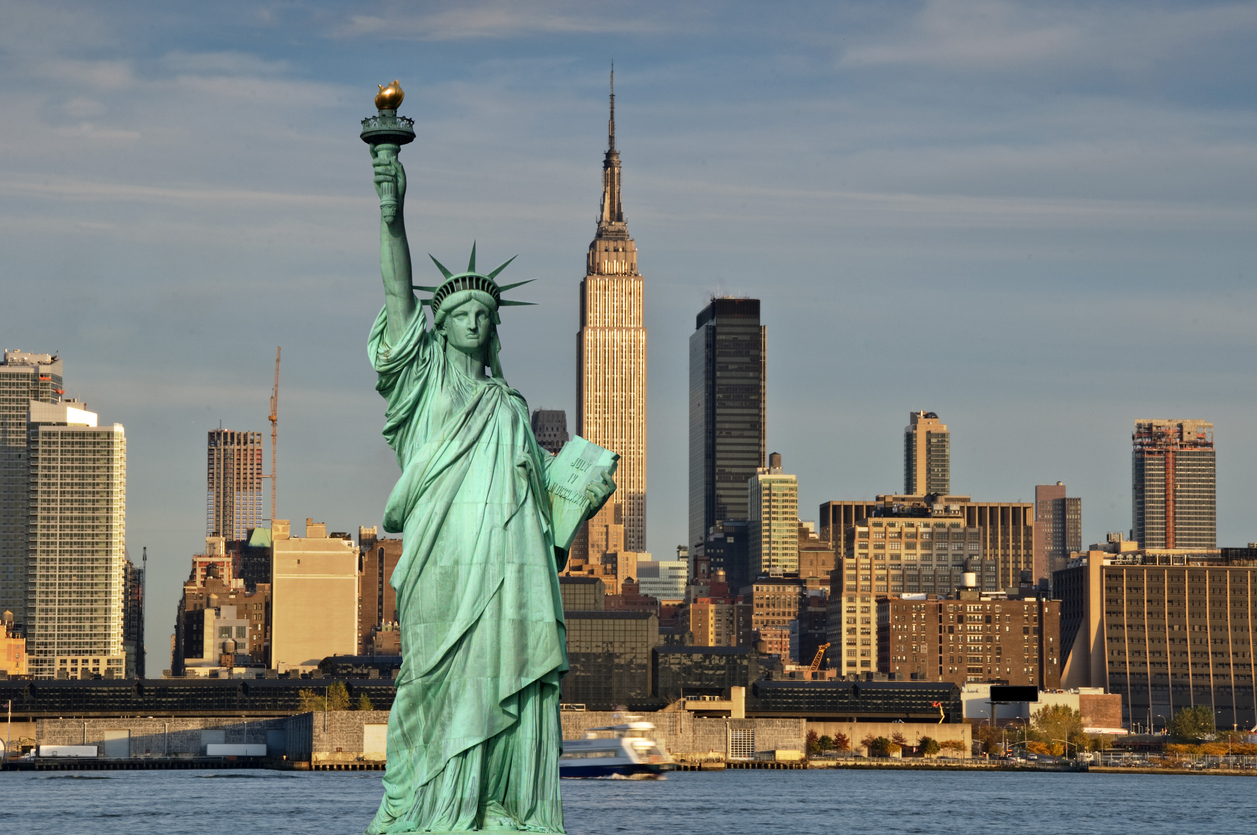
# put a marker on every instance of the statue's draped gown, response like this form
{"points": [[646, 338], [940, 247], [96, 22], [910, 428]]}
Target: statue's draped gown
{"points": [[474, 735]]}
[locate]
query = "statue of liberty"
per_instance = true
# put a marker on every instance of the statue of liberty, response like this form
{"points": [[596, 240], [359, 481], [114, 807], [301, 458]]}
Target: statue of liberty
{"points": [[474, 735]]}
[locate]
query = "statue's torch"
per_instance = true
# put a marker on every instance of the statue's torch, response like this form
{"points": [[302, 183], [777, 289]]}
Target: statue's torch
{"points": [[386, 133]]}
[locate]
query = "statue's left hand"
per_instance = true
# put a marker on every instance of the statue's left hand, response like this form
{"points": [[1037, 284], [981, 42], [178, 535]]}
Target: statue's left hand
{"points": [[599, 491]]}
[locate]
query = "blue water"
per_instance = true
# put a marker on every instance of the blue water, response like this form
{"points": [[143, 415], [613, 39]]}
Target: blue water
{"points": [[690, 803]]}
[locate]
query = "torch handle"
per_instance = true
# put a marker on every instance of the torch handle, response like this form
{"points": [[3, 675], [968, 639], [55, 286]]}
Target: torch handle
{"points": [[388, 190]]}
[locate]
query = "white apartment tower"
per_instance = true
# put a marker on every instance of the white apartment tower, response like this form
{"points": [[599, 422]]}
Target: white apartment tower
{"points": [[611, 361], [773, 505], [76, 535], [24, 378]]}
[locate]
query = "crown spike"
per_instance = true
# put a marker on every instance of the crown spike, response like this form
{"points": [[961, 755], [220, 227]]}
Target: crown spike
{"points": [[471, 264], [502, 266], [504, 287], [510, 303], [440, 266]]}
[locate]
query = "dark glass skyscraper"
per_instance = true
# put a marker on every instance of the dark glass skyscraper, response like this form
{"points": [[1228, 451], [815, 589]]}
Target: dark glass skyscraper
{"points": [[727, 420]]}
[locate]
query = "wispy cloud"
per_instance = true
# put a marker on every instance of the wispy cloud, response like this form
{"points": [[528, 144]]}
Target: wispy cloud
{"points": [[499, 21], [977, 35]]}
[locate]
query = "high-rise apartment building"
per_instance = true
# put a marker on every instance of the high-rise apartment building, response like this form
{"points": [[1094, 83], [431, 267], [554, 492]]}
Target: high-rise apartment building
{"points": [[550, 427], [24, 378], [773, 511], [611, 360], [233, 503], [926, 455], [1174, 484], [76, 539], [1057, 528], [727, 411]]}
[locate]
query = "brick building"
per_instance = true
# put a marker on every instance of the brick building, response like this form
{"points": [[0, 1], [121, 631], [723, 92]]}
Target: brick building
{"points": [[972, 638]]}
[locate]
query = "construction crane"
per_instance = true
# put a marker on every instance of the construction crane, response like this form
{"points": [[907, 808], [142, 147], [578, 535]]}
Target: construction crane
{"points": [[274, 418], [820, 656]]}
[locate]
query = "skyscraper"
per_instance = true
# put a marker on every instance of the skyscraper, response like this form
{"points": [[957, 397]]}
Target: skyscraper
{"points": [[773, 505], [611, 358], [926, 455], [1057, 528], [76, 543], [1174, 484], [233, 497], [550, 427], [727, 420], [23, 378]]}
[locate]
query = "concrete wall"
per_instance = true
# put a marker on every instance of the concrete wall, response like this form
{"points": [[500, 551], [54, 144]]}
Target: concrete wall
{"points": [[912, 731], [185, 737], [339, 736]]}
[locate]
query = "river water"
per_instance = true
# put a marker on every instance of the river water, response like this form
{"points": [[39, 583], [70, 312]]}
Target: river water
{"points": [[243, 802]]}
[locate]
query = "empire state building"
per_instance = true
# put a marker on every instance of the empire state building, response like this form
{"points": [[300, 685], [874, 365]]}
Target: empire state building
{"points": [[611, 368]]}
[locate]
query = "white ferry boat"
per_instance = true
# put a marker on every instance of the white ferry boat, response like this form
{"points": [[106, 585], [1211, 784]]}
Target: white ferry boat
{"points": [[627, 750]]}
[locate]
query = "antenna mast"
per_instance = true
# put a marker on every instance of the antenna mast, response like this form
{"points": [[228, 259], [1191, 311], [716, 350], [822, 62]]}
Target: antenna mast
{"points": [[274, 418]]}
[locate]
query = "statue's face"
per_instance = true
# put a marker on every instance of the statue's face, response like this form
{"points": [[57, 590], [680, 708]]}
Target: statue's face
{"points": [[467, 326]]}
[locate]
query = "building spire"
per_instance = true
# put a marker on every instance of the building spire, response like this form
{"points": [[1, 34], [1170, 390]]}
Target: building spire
{"points": [[611, 124]]}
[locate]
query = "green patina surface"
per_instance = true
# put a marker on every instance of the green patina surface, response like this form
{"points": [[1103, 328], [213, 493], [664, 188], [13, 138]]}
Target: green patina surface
{"points": [[474, 735]]}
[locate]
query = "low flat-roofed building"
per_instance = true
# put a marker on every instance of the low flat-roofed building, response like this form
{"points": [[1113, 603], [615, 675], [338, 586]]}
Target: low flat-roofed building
{"points": [[858, 701]]}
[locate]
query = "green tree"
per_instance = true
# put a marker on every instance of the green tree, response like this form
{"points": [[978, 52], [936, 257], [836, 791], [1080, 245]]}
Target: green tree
{"points": [[364, 703], [882, 747], [929, 746], [338, 696], [825, 743], [1192, 724], [1057, 723], [309, 701]]}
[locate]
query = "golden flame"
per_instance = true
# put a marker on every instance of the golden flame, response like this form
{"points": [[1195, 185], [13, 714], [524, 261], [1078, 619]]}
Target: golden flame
{"points": [[390, 97]]}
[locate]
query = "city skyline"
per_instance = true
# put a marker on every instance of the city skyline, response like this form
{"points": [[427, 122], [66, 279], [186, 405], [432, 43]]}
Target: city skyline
{"points": [[924, 161]]}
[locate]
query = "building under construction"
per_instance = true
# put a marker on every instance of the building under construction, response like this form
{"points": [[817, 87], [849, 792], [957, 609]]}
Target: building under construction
{"points": [[1174, 484], [233, 484]]}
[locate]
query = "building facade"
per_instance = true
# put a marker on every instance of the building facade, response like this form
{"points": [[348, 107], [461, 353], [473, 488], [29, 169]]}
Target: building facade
{"points": [[133, 618], [1006, 528], [1057, 528], [550, 427], [377, 604], [609, 659], [233, 494], [611, 360], [314, 592], [76, 543], [728, 362], [197, 649], [24, 378], [926, 455], [1174, 484], [1165, 628], [773, 517], [970, 638]]}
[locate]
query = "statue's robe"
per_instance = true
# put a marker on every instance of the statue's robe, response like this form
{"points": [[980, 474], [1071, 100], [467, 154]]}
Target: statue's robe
{"points": [[474, 735]]}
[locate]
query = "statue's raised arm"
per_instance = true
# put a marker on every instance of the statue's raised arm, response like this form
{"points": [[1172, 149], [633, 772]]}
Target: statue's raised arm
{"points": [[390, 182]]}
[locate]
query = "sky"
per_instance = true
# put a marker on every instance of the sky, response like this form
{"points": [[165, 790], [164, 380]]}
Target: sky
{"points": [[1034, 219]]}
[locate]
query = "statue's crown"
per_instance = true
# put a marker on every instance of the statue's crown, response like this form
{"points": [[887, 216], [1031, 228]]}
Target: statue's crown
{"points": [[470, 280]]}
